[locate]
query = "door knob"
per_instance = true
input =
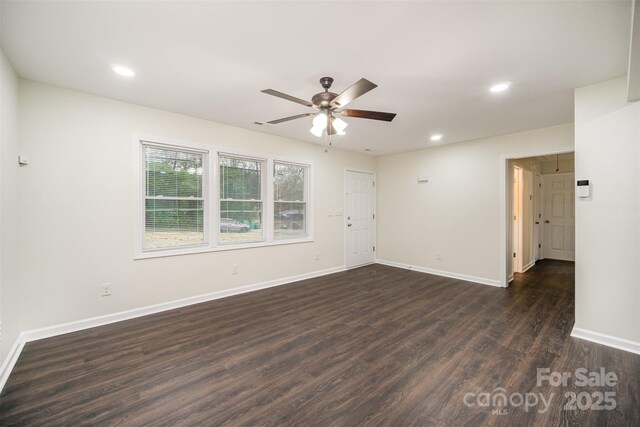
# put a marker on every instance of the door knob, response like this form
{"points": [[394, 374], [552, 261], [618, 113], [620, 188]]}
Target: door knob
{"points": [[537, 222], [349, 225], [546, 221]]}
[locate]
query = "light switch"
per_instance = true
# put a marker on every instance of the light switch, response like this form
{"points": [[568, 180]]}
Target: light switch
{"points": [[338, 212]]}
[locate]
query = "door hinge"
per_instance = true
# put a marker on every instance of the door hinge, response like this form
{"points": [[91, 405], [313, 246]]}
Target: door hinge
{"points": [[374, 249], [514, 254], [539, 245], [374, 216], [374, 183]]}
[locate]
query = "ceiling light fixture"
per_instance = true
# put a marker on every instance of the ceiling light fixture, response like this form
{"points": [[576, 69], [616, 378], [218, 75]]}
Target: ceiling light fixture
{"points": [[319, 124], [123, 71], [436, 137], [323, 119], [500, 87], [339, 125]]}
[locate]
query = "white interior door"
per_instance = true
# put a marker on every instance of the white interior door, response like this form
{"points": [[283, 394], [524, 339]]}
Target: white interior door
{"points": [[359, 218], [559, 217]]}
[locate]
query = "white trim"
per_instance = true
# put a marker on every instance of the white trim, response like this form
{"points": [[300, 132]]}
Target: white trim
{"points": [[475, 279], [79, 325], [608, 340], [538, 205], [528, 266], [11, 359], [517, 232], [504, 243]]}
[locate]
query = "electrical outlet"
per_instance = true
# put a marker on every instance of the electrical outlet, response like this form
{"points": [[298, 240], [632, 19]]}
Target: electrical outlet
{"points": [[317, 256], [106, 289], [235, 269]]}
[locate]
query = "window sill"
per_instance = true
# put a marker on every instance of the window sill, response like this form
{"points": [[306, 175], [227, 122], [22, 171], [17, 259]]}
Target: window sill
{"points": [[220, 248]]}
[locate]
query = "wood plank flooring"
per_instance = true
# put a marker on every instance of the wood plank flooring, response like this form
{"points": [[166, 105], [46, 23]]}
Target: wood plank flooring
{"points": [[371, 346]]}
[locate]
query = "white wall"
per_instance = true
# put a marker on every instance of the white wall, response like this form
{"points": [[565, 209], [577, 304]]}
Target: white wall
{"points": [[457, 214], [9, 237], [608, 223], [78, 217]]}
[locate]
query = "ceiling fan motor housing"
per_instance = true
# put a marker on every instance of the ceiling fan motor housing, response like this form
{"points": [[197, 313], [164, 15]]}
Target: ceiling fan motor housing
{"points": [[323, 99]]}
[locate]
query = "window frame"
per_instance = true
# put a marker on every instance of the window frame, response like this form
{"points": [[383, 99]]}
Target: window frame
{"points": [[206, 194], [211, 222], [263, 196], [305, 200]]}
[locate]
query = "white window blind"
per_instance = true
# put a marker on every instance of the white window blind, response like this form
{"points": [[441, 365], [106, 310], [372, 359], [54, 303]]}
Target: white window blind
{"points": [[290, 183], [175, 197], [241, 199]]}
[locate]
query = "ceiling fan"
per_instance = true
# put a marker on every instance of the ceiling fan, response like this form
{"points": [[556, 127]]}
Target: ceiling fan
{"points": [[331, 105]]}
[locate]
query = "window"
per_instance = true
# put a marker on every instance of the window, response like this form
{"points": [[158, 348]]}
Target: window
{"points": [[174, 197], [196, 199], [290, 200], [241, 199]]}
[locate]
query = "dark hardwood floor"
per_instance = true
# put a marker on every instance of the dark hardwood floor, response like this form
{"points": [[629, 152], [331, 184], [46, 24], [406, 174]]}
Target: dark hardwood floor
{"points": [[376, 346]]}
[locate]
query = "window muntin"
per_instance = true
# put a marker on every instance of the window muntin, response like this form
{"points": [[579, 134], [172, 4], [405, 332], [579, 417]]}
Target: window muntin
{"points": [[174, 181], [241, 199], [290, 183]]}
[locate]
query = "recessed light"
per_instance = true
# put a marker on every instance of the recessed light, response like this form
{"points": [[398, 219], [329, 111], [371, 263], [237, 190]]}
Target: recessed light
{"points": [[123, 71], [436, 137], [500, 87]]}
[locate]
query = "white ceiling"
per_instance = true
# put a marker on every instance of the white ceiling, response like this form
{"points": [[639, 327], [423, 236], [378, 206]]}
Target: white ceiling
{"points": [[433, 61]]}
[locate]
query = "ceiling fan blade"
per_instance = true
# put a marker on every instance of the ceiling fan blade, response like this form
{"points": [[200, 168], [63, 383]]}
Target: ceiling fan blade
{"points": [[357, 89], [286, 119], [364, 114], [287, 97]]}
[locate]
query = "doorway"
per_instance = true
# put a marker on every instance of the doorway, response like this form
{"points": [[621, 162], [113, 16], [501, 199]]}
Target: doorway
{"points": [[539, 203], [359, 218]]}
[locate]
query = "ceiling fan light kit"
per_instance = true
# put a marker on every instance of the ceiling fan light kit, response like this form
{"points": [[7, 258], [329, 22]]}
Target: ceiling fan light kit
{"points": [[330, 105]]}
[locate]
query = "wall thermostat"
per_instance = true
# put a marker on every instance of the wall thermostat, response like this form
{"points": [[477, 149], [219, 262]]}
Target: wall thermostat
{"points": [[583, 188]]}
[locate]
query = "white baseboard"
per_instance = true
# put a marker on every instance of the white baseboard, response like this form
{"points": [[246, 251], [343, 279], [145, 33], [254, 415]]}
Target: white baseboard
{"points": [[65, 328], [11, 359], [608, 340], [528, 266], [481, 280]]}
